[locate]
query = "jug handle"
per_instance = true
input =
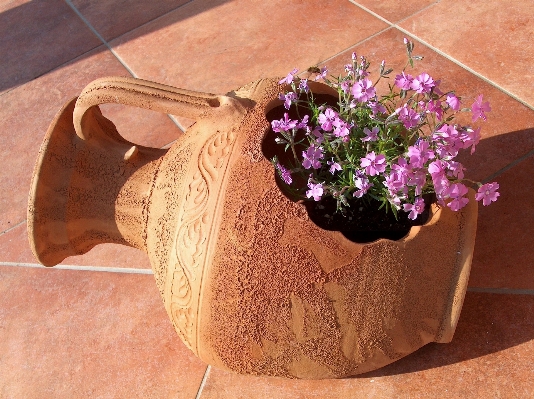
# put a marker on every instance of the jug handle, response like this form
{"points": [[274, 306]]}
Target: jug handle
{"points": [[144, 94]]}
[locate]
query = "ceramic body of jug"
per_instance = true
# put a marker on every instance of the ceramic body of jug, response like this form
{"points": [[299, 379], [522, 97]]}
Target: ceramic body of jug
{"points": [[248, 281]]}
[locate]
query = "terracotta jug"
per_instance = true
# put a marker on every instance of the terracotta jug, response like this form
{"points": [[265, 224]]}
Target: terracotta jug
{"points": [[248, 281]]}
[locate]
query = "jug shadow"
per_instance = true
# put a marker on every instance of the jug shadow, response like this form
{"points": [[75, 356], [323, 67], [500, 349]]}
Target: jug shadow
{"points": [[39, 36]]}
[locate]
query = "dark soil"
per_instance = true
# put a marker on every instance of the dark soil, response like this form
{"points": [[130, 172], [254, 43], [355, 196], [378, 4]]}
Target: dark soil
{"points": [[362, 221]]}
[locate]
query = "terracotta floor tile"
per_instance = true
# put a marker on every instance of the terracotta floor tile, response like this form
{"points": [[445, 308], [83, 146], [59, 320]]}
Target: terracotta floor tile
{"points": [[75, 334], [26, 112], [489, 357], [220, 45], [395, 10], [14, 247], [494, 38], [504, 246], [114, 18], [38, 36], [508, 132]]}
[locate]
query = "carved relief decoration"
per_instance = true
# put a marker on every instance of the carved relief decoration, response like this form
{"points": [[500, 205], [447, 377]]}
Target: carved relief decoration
{"points": [[193, 233]]}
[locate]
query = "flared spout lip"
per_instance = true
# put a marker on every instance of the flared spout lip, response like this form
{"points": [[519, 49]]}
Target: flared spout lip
{"points": [[46, 226]]}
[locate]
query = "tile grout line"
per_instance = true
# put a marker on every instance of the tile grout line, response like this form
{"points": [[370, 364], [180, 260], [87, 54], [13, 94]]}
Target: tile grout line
{"points": [[126, 270], [356, 44], [440, 52], [509, 166], [88, 24], [203, 382], [510, 291], [12, 227], [114, 53]]}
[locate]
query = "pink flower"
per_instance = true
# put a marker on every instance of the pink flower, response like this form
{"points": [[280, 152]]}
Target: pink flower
{"points": [[416, 209], [402, 169], [315, 191], [284, 124], [288, 98], [289, 78], [417, 178], [322, 74], [423, 83], [404, 81], [371, 135], [333, 166], [319, 137], [457, 192], [326, 119], [435, 107], [408, 116], [488, 193], [456, 169], [394, 183], [312, 157], [478, 108], [284, 174], [373, 164], [420, 153], [341, 128], [363, 185], [453, 102], [377, 108], [363, 90], [471, 138]]}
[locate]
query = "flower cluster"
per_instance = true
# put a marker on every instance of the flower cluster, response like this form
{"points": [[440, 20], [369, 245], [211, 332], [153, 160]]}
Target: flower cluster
{"points": [[394, 148]]}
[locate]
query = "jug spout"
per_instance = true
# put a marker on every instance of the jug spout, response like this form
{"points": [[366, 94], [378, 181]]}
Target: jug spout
{"points": [[88, 191]]}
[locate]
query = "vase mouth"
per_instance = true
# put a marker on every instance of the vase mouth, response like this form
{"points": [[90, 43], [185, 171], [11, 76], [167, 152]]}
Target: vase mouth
{"points": [[47, 230]]}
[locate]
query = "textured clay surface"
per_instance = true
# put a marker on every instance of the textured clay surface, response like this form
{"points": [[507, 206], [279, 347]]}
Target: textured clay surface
{"points": [[248, 281]]}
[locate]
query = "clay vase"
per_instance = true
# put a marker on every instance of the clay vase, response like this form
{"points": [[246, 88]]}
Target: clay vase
{"points": [[249, 282]]}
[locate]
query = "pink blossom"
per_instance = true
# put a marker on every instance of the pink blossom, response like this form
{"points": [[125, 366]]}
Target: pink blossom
{"points": [[417, 178], [456, 169], [437, 168], [453, 102], [322, 74], [377, 108], [289, 78], [316, 191], [420, 153], [423, 83], [456, 192], [471, 138], [435, 107], [362, 183], [488, 193], [319, 137], [416, 209], [404, 81], [303, 124], [288, 98], [393, 183], [363, 90], [451, 140], [371, 135], [333, 166], [373, 164], [478, 108], [312, 157], [341, 128], [408, 116], [326, 119], [284, 124], [402, 169], [303, 85], [284, 174]]}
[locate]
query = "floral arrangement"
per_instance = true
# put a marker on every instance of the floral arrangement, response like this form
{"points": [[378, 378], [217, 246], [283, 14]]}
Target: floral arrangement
{"points": [[393, 149]]}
